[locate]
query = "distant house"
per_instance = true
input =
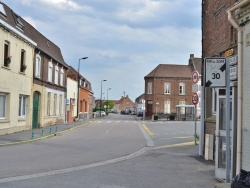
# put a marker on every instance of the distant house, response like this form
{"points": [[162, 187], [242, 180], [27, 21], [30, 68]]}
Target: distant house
{"points": [[122, 104], [139, 104], [85, 107], [167, 86], [16, 72]]}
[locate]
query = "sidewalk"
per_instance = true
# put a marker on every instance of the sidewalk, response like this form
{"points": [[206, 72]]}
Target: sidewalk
{"points": [[38, 134]]}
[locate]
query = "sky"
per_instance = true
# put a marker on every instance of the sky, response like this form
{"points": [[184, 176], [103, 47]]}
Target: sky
{"points": [[124, 40]]}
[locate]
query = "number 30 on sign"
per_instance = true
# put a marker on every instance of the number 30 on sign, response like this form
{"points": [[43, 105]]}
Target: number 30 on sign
{"points": [[195, 98]]}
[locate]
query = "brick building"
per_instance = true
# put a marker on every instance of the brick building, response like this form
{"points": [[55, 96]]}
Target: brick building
{"points": [[168, 85], [222, 38]]}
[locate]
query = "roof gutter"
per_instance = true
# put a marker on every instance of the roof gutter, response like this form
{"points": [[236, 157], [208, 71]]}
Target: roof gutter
{"points": [[239, 97]]}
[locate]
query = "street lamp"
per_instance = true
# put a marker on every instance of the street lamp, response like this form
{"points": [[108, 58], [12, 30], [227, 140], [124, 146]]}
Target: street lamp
{"points": [[101, 96], [108, 99], [78, 86]]}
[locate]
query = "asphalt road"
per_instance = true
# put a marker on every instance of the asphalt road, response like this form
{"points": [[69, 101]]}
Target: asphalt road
{"points": [[111, 152]]}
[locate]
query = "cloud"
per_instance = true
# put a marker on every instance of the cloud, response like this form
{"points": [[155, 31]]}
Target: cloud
{"points": [[31, 21]]}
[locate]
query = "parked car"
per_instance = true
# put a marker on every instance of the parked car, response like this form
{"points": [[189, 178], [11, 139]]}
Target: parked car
{"points": [[102, 113], [140, 114]]}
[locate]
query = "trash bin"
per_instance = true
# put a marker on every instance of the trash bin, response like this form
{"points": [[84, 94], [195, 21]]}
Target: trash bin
{"points": [[242, 180], [171, 118]]}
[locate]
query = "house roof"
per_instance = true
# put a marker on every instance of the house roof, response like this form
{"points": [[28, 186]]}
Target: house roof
{"points": [[43, 43], [170, 71]]}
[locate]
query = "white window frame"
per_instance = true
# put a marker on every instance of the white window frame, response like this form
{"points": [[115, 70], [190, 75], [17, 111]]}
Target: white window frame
{"points": [[38, 66], [61, 77], [60, 105], [48, 103], [56, 75], [150, 84], [55, 104], [167, 87], [3, 105], [22, 106], [50, 71], [167, 107], [182, 88]]}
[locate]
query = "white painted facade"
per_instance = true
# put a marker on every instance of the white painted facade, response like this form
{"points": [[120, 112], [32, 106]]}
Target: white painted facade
{"points": [[15, 85], [246, 90], [72, 96]]}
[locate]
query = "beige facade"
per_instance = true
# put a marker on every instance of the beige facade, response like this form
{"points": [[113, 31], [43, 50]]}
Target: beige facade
{"points": [[71, 99], [15, 84]]}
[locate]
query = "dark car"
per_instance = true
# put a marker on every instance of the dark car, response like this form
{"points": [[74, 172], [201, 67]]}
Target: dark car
{"points": [[140, 114]]}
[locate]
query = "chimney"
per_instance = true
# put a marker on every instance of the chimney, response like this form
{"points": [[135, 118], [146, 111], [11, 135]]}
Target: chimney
{"points": [[191, 56]]}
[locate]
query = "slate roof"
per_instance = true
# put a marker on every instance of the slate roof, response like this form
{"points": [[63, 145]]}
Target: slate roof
{"points": [[170, 71], [43, 43]]}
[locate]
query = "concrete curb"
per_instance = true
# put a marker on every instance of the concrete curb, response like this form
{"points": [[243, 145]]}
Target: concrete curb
{"points": [[44, 137]]}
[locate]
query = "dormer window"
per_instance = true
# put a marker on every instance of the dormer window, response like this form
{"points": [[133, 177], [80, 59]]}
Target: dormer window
{"points": [[2, 11], [18, 21]]}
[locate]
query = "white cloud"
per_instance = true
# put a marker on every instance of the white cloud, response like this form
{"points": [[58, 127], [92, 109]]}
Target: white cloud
{"points": [[31, 21]]}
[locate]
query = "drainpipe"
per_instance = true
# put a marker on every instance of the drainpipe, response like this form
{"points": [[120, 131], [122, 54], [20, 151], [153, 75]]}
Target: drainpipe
{"points": [[240, 57]]}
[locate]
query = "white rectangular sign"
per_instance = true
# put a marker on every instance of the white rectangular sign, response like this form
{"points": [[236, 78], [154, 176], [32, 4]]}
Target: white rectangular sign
{"points": [[233, 73], [195, 88], [215, 72]]}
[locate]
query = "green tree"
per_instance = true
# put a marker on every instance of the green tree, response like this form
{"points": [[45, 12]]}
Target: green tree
{"points": [[108, 104]]}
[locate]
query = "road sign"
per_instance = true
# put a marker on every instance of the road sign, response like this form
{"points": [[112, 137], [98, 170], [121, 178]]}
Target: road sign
{"points": [[195, 77], [233, 72], [195, 98], [215, 72], [195, 88]]}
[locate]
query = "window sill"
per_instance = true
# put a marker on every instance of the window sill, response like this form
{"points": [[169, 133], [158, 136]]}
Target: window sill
{"points": [[8, 68], [22, 73], [4, 120], [21, 119]]}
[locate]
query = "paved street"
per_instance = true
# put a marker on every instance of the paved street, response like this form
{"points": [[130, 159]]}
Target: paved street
{"points": [[114, 151]]}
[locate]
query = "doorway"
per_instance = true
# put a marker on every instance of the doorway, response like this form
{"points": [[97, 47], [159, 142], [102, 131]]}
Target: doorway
{"points": [[35, 118]]}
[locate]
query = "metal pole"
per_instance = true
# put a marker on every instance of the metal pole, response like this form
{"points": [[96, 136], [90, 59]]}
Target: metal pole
{"points": [[101, 96], [228, 163], [195, 134], [78, 87], [201, 147]]}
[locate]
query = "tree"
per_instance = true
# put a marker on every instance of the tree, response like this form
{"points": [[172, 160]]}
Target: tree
{"points": [[108, 104]]}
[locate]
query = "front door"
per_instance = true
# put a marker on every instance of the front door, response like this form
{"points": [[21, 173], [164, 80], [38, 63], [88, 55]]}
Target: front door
{"points": [[220, 154], [149, 108], [35, 110]]}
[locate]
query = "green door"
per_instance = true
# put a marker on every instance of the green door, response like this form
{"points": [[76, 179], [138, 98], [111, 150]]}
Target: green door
{"points": [[35, 110]]}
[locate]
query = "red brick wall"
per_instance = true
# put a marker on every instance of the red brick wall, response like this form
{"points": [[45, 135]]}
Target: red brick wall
{"points": [[158, 95]]}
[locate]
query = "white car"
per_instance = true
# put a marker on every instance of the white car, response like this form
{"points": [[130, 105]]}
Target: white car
{"points": [[102, 113]]}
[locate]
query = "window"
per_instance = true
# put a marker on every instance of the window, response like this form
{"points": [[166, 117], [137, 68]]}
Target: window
{"points": [[7, 58], [22, 106], [18, 21], [48, 103], [62, 77], [232, 35], [166, 107], [56, 74], [182, 88], [2, 106], [55, 104], [149, 87], [166, 88], [38, 66], [22, 62], [50, 72], [60, 105]]}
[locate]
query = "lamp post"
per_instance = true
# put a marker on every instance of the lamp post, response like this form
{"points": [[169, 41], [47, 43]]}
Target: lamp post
{"points": [[78, 86], [101, 96], [108, 100]]}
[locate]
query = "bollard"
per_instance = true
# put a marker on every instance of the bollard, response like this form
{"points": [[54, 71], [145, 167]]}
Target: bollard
{"points": [[32, 135], [56, 129], [42, 132], [50, 130]]}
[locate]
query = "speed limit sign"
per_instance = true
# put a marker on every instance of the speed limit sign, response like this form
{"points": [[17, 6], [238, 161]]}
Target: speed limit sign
{"points": [[195, 98], [215, 72]]}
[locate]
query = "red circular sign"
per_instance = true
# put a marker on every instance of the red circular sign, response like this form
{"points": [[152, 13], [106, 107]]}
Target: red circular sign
{"points": [[195, 98], [195, 77]]}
